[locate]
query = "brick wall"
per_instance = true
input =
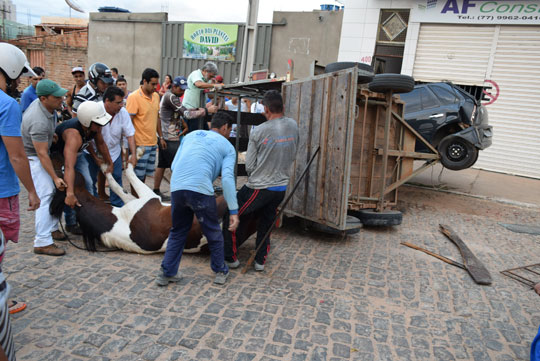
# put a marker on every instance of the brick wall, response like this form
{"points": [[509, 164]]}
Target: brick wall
{"points": [[57, 54]]}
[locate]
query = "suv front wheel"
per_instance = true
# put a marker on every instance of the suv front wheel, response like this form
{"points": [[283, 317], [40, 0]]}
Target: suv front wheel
{"points": [[456, 153]]}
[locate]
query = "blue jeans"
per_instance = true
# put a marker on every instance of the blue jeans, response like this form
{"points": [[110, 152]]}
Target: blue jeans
{"points": [[86, 166], [184, 204]]}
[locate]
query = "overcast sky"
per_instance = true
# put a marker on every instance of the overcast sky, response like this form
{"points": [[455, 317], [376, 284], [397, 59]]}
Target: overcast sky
{"points": [[30, 11]]}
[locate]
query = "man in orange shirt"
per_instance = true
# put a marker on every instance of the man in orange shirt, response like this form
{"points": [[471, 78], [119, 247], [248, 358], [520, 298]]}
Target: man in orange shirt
{"points": [[143, 107]]}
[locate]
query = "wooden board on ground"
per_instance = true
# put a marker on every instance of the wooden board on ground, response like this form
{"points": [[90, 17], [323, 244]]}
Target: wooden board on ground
{"points": [[476, 269]]}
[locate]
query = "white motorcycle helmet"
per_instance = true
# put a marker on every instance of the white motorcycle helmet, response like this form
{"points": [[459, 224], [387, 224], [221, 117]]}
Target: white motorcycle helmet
{"points": [[90, 111], [13, 62]]}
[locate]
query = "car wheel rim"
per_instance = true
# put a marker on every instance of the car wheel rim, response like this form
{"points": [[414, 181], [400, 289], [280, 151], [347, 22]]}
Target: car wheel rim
{"points": [[456, 152]]}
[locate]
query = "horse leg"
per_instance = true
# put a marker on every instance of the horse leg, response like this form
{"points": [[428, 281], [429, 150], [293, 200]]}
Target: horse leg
{"points": [[115, 187], [143, 191]]}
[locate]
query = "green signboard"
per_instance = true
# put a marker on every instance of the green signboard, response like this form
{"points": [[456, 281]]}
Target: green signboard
{"points": [[210, 41]]}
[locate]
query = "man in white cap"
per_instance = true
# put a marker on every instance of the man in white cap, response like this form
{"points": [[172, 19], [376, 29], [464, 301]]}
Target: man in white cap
{"points": [[78, 77], [39, 121], [73, 137]]}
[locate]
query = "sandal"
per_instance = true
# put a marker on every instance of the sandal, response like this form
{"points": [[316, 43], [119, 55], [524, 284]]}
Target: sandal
{"points": [[15, 307]]}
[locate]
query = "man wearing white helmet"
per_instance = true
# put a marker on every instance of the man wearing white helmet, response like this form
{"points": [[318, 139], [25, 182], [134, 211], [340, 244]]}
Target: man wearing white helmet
{"points": [[13, 167], [13, 161], [73, 137]]}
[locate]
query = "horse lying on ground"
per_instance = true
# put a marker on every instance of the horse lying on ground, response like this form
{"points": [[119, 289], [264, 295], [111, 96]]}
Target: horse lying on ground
{"points": [[141, 225]]}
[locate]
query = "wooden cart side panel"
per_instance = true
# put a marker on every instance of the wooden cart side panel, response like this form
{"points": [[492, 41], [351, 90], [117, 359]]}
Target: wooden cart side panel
{"points": [[324, 118]]}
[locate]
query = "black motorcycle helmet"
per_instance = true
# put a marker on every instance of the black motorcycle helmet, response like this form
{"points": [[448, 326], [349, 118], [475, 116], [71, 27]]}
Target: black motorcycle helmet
{"points": [[100, 71]]}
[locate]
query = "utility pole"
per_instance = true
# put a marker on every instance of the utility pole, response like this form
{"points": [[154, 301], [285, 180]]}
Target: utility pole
{"points": [[250, 40], [3, 20]]}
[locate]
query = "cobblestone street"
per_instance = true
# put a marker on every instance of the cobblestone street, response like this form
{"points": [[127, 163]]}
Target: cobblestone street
{"points": [[320, 297]]}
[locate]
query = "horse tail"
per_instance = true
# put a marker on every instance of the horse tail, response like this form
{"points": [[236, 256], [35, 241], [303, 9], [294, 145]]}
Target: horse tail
{"points": [[57, 204], [86, 222]]}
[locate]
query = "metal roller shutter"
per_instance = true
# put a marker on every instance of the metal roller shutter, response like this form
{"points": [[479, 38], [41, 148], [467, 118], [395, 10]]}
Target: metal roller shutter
{"points": [[515, 115], [453, 52]]}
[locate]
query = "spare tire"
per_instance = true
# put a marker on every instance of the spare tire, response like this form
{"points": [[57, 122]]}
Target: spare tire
{"points": [[365, 71], [369, 217], [398, 83]]}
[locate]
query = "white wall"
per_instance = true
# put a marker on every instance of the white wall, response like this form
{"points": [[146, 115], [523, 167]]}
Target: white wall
{"points": [[359, 31]]}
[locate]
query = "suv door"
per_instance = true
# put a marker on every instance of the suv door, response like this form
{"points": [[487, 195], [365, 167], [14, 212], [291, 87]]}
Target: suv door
{"points": [[423, 112]]}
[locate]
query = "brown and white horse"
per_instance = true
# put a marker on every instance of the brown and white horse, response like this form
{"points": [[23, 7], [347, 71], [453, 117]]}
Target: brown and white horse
{"points": [[141, 225]]}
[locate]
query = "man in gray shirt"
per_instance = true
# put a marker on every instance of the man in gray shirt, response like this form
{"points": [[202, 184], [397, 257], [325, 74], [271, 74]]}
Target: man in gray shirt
{"points": [[37, 129], [270, 155]]}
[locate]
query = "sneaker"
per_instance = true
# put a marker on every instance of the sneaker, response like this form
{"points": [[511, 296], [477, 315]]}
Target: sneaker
{"points": [[50, 250], [258, 267], [163, 280], [74, 229], [164, 198], [233, 265], [221, 278], [58, 236]]}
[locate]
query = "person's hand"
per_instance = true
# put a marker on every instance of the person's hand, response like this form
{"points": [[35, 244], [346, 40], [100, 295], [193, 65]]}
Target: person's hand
{"points": [[55, 138], [133, 160], [72, 201], [33, 201], [162, 143], [59, 183], [234, 221], [219, 86], [212, 108]]}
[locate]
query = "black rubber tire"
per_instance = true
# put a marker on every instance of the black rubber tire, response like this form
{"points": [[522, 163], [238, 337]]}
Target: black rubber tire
{"points": [[365, 71], [340, 65], [370, 217], [398, 83], [329, 230], [457, 153]]}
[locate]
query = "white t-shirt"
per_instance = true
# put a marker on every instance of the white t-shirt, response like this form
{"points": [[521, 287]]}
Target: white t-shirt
{"points": [[113, 131]]}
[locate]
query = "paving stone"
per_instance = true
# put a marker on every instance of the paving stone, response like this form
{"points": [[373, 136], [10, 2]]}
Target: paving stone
{"points": [[96, 339], [170, 337], [281, 336], [153, 352], [244, 356]]}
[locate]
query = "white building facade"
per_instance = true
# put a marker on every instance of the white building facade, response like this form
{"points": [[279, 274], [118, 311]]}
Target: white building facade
{"points": [[475, 43]]}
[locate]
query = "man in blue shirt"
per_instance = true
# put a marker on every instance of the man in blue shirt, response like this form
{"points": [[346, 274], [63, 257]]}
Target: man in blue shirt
{"points": [[202, 156], [29, 94]]}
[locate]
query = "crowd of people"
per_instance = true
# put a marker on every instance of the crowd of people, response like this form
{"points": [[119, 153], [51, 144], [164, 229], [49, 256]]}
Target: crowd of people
{"points": [[105, 125]]}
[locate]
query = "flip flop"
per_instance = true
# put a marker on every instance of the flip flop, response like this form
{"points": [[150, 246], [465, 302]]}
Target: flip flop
{"points": [[16, 307]]}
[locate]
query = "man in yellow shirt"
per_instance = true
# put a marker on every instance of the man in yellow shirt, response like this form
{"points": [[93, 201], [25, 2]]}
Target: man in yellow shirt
{"points": [[143, 107]]}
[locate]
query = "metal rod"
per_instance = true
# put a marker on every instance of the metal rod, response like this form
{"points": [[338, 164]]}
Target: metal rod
{"points": [[442, 258]]}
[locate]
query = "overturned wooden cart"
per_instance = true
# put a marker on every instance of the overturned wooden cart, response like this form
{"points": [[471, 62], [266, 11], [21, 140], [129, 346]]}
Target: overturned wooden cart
{"points": [[367, 150]]}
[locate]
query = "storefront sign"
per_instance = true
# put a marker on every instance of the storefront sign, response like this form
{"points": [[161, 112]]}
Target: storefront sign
{"points": [[477, 12], [210, 41]]}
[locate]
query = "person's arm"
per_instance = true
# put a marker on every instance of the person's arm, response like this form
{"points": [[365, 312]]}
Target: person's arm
{"points": [[184, 127], [162, 142], [104, 151], [202, 85], [42, 150], [19, 162], [229, 187], [133, 150], [73, 142], [251, 154]]}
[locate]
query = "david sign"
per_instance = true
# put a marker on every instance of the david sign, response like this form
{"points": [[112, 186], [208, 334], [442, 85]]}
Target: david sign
{"points": [[477, 12], [210, 41]]}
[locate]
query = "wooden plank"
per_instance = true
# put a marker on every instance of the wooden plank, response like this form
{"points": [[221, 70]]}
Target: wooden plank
{"points": [[323, 156], [313, 196], [476, 269]]}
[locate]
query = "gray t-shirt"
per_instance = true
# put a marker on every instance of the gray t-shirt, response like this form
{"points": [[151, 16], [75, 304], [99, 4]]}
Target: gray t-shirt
{"points": [[37, 126], [169, 113], [271, 153]]}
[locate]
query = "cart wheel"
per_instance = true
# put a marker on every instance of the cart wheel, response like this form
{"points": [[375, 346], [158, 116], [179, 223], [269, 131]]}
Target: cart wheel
{"points": [[370, 217], [398, 83], [351, 221], [365, 71]]}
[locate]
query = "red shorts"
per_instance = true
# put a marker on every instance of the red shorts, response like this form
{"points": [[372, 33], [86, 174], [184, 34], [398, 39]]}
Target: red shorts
{"points": [[10, 221]]}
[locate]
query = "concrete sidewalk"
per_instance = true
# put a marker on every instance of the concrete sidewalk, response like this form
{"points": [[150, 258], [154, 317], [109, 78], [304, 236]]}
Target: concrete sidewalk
{"points": [[480, 183]]}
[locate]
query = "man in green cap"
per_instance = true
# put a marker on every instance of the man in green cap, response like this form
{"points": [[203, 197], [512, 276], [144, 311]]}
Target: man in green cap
{"points": [[38, 125]]}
